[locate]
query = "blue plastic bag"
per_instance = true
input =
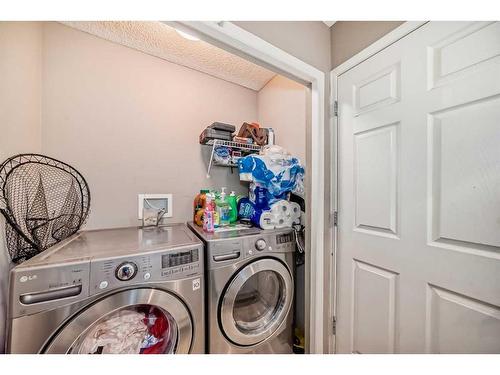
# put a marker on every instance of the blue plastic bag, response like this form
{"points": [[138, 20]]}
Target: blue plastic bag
{"points": [[275, 171]]}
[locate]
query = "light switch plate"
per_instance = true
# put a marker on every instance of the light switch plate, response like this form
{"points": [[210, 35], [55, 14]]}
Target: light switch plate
{"points": [[156, 200]]}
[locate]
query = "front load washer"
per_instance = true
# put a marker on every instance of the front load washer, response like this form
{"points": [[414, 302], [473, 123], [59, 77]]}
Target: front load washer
{"points": [[128, 290], [250, 289]]}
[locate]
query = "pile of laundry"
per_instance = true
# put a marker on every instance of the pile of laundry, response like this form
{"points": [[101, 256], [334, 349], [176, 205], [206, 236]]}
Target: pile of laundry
{"points": [[145, 330], [273, 174]]}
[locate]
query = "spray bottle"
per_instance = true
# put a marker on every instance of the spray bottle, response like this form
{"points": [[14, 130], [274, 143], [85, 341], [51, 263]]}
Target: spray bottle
{"points": [[208, 217]]}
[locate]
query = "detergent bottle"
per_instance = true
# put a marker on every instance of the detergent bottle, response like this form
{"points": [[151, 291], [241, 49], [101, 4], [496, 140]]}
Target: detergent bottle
{"points": [[233, 204], [223, 209], [199, 207]]}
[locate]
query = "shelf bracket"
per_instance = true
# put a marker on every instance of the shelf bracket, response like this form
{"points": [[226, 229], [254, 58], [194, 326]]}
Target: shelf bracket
{"points": [[211, 159]]}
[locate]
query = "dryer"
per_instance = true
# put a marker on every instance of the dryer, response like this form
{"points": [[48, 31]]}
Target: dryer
{"points": [[250, 289], [128, 290]]}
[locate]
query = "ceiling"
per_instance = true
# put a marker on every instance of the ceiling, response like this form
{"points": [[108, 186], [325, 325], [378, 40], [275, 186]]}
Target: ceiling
{"points": [[163, 41]]}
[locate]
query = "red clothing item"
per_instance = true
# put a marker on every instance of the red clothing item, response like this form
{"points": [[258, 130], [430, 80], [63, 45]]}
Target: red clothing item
{"points": [[160, 329]]}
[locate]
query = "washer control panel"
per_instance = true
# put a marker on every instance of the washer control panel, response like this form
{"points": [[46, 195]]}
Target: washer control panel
{"points": [[151, 267]]}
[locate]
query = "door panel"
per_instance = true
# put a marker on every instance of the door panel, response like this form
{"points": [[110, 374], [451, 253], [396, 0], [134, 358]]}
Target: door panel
{"points": [[374, 309], [419, 194], [378, 90], [471, 47], [375, 180], [450, 130], [478, 323]]}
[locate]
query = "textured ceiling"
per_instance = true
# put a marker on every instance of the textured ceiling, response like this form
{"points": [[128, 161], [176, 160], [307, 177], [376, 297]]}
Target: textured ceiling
{"points": [[160, 40]]}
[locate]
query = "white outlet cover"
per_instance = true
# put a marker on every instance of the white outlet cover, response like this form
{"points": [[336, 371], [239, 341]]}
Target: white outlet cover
{"points": [[167, 197]]}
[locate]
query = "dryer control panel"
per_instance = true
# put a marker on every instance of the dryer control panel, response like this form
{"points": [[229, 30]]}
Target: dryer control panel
{"points": [[159, 266], [226, 251]]}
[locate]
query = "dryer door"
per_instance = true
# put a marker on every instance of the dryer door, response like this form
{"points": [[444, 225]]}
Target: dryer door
{"points": [[135, 321], [256, 302]]}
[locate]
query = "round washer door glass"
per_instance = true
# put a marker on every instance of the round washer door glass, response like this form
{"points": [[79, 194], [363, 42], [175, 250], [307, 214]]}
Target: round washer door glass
{"points": [[134, 321], [140, 329], [256, 302]]}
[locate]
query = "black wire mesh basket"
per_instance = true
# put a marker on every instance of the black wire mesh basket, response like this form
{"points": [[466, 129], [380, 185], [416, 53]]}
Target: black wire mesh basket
{"points": [[43, 201]]}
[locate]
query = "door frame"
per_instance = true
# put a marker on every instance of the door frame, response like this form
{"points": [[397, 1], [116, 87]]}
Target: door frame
{"points": [[236, 40], [390, 38]]}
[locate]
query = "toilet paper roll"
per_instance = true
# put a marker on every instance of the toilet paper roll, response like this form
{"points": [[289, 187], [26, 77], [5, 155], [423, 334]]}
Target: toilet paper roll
{"points": [[280, 207], [294, 211], [281, 221], [282, 214]]}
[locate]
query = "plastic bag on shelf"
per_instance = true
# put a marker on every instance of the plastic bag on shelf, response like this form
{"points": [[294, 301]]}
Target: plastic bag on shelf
{"points": [[273, 169], [222, 155]]}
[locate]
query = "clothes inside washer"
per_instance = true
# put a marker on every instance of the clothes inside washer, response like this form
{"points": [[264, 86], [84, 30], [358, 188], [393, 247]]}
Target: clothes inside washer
{"points": [[121, 333], [139, 330]]}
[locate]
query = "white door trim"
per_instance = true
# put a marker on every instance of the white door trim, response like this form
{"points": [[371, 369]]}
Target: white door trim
{"points": [[240, 41], [376, 47]]}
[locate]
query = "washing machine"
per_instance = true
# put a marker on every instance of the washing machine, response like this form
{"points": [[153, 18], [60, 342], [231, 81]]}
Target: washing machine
{"points": [[250, 288], [128, 290]]}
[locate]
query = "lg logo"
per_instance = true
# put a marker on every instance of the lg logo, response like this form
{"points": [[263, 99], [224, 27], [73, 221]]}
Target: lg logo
{"points": [[196, 284], [25, 278]]}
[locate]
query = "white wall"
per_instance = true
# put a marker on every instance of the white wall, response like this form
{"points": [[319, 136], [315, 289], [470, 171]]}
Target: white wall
{"points": [[282, 106], [20, 88], [350, 37], [306, 40], [129, 122]]}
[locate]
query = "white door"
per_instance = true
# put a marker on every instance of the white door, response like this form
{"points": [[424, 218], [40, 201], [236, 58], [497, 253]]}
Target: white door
{"points": [[419, 195]]}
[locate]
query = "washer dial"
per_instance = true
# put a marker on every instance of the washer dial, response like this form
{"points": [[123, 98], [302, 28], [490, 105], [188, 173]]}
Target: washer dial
{"points": [[260, 244], [126, 271]]}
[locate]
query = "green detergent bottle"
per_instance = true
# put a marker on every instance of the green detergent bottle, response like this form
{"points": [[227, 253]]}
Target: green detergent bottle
{"points": [[223, 208], [233, 203]]}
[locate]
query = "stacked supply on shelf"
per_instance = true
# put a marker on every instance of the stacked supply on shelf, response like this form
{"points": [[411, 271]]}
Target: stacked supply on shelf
{"points": [[249, 133], [218, 130], [273, 174]]}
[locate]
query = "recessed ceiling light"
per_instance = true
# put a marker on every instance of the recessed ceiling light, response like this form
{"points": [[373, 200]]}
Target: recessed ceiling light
{"points": [[187, 35]]}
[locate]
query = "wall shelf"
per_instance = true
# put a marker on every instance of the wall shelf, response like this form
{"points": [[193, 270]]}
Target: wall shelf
{"points": [[246, 148]]}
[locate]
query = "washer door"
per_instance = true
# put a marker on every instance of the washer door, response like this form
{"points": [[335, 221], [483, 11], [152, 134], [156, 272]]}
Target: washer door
{"points": [[256, 302], [135, 321]]}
